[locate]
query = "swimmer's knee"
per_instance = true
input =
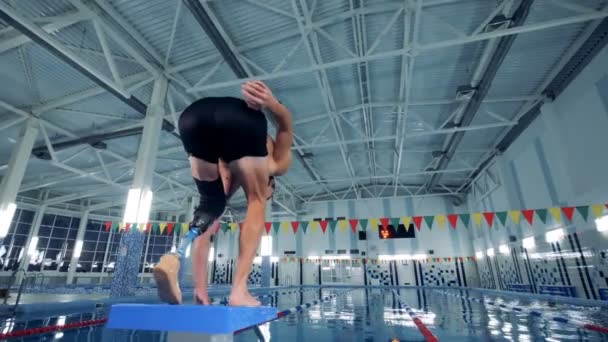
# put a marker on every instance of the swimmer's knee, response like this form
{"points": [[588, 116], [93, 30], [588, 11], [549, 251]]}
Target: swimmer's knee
{"points": [[212, 204]]}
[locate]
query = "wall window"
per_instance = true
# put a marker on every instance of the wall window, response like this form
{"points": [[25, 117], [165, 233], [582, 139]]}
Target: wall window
{"points": [[12, 246], [158, 245], [94, 246], [56, 239]]}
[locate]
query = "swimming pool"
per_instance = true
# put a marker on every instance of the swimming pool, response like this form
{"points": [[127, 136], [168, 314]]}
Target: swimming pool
{"points": [[379, 314]]}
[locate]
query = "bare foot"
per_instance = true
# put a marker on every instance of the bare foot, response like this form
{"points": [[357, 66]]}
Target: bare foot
{"points": [[243, 299], [165, 275], [201, 298]]}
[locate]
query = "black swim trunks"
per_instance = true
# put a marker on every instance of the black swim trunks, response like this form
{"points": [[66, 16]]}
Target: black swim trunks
{"points": [[223, 127]]}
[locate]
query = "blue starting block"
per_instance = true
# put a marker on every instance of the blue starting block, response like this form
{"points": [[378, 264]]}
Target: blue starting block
{"points": [[190, 322]]}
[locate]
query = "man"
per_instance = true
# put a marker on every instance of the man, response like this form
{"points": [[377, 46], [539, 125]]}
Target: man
{"points": [[227, 145]]}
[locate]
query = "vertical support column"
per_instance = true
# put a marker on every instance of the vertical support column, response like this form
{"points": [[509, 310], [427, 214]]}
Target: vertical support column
{"points": [[139, 200], [32, 237], [265, 272], [82, 227], [11, 181]]}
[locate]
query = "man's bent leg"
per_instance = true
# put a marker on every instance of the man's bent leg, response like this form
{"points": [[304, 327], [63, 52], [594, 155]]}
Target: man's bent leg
{"points": [[253, 174], [200, 259], [211, 207]]}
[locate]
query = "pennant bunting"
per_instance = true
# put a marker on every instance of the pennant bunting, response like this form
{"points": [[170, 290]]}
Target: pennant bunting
{"points": [[597, 210], [108, 225], [583, 211], [304, 225], [268, 227], [185, 228], [477, 219], [142, 227], [489, 216], [285, 227], [127, 227], [233, 226], [363, 224], [353, 225], [406, 220], [374, 223], [294, 226], [528, 215], [148, 228], [313, 226], [395, 223], [429, 221], [440, 221], [542, 215], [332, 225], [417, 222], [276, 226], [568, 212], [323, 225], [224, 227], [465, 218], [502, 217], [343, 224], [453, 219], [515, 216], [120, 226], [385, 222], [556, 213], [170, 226]]}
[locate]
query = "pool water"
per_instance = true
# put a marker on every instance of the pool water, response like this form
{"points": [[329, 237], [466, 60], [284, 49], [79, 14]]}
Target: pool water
{"points": [[377, 314]]}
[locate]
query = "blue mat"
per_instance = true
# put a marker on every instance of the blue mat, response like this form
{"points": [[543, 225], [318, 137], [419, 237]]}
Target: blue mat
{"points": [[212, 319]]}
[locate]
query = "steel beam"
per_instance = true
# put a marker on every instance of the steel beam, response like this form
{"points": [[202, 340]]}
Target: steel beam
{"points": [[485, 82]]}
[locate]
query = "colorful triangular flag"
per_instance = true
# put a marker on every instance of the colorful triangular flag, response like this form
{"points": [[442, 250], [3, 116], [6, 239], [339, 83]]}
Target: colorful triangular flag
{"points": [[170, 226], [343, 224], [276, 226], [313, 226], [148, 228], [224, 227], [528, 215], [233, 226], [268, 227], [542, 215], [374, 224], [515, 216], [363, 224], [294, 226], [417, 222], [285, 227], [502, 217], [465, 218], [108, 225], [568, 212], [332, 225], [477, 219], [429, 221], [406, 220], [185, 228], [353, 225], [453, 219], [489, 216], [155, 228], [127, 227], [395, 222], [584, 211], [557, 214], [440, 221], [323, 225], [120, 226], [385, 222], [597, 210], [304, 225]]}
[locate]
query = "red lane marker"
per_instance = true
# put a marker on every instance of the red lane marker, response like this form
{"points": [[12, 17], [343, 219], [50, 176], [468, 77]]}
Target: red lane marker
{"points": [[52, 328], [597, 328], [428, 335]]}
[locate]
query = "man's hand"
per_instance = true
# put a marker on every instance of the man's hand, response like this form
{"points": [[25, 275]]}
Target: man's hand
{"points": [[258, 95]]}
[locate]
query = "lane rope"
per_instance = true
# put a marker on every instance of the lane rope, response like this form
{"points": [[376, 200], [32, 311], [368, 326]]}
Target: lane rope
{"points": [[297, 308], [424, 330], [514, 308], [53, 328]]}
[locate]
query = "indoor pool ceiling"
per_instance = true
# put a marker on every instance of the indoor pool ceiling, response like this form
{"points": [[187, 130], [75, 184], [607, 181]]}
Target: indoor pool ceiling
{"points": [[389, 98]]}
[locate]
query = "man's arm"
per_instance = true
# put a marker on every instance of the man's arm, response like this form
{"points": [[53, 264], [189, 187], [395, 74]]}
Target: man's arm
{"points": [[280, 160]]}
